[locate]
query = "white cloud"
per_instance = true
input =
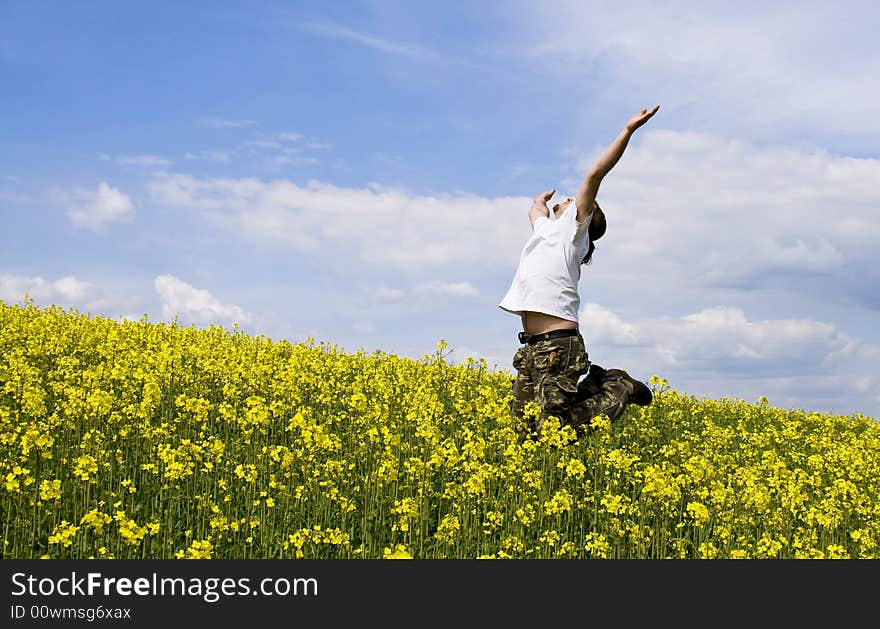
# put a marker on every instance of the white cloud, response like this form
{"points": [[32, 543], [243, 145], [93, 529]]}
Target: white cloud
{"points": [[430, 290], [720, 351], [287, 160], [213, 156], [277, 149], [225, 123], [701, 210], [723, 340], [424, 293], [195, 305], [261, 144], [13, 289], [688, 207], [390, 295], [376, 225], [97, 209], [607, 327], [337, 32], [70, 292], [756, 67], [149, 161]]}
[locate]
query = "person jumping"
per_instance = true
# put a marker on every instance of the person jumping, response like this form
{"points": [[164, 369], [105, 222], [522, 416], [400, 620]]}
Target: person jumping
{"points": [[544, 294]]}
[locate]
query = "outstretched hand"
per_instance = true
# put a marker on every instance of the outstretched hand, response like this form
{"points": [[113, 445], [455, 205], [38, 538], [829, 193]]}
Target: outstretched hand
{"points": [[641, 118], [545, 196]]}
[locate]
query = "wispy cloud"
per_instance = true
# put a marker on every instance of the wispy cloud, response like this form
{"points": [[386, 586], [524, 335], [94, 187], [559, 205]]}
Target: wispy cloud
{"points": [[212, 156], [390, 295], [430, 290], [275, 149], [756, 68], [340, 33], [150, 161], [96, 209], [223, 123], [261, 144], [424, 292], [289, 160]]}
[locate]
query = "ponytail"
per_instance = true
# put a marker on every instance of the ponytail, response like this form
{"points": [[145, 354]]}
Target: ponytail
{"points": [[595, 231], [589, 257]]}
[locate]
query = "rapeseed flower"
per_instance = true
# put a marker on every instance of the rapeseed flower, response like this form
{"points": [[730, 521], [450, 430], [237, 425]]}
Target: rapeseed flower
{"points": [[217, 437]]}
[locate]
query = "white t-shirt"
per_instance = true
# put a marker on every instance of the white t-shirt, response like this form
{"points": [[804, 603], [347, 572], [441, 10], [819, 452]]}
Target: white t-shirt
{"points": [[550, 267]]}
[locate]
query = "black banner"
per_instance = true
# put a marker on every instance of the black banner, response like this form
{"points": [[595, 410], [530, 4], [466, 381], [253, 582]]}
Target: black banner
{"points": [[168, 593]]}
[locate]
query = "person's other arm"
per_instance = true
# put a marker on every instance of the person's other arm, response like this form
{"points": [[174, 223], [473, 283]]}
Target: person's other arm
{"points": [[589, 187], [539, 206]]}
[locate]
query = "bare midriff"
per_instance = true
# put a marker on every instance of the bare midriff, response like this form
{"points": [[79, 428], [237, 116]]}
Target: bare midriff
{"points": [[538, 323]]}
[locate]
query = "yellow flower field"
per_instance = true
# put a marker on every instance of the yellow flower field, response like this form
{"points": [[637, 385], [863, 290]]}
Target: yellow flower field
{"points": [[152, 440]]}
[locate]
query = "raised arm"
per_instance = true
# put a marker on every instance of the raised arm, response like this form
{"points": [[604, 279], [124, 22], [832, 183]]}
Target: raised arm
{"points": [[539, 206], [589, 187]]}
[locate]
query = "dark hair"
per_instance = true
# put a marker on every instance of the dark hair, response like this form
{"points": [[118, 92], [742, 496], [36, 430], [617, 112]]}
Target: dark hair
{"points": [[595, 231]]}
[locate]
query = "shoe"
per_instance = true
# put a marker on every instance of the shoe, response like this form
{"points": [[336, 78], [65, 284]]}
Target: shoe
{"points": [[639, 393], [595, 371], [591, 383]]}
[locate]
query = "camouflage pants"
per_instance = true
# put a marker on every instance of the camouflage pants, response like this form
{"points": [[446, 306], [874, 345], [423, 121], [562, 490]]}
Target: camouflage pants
{"points": [[548, 373]]}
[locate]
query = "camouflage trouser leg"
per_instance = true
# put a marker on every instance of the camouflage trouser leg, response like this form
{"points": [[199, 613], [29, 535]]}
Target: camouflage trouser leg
{"points": [[547, 374], [609, 397], [523, 393]]}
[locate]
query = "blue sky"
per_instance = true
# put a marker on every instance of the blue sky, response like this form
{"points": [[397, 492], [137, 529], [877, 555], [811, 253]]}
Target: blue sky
{"points": [[360, 173]]}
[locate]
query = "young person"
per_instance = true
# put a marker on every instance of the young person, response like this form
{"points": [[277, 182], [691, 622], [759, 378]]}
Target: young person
{"points": [[544, 294]]}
